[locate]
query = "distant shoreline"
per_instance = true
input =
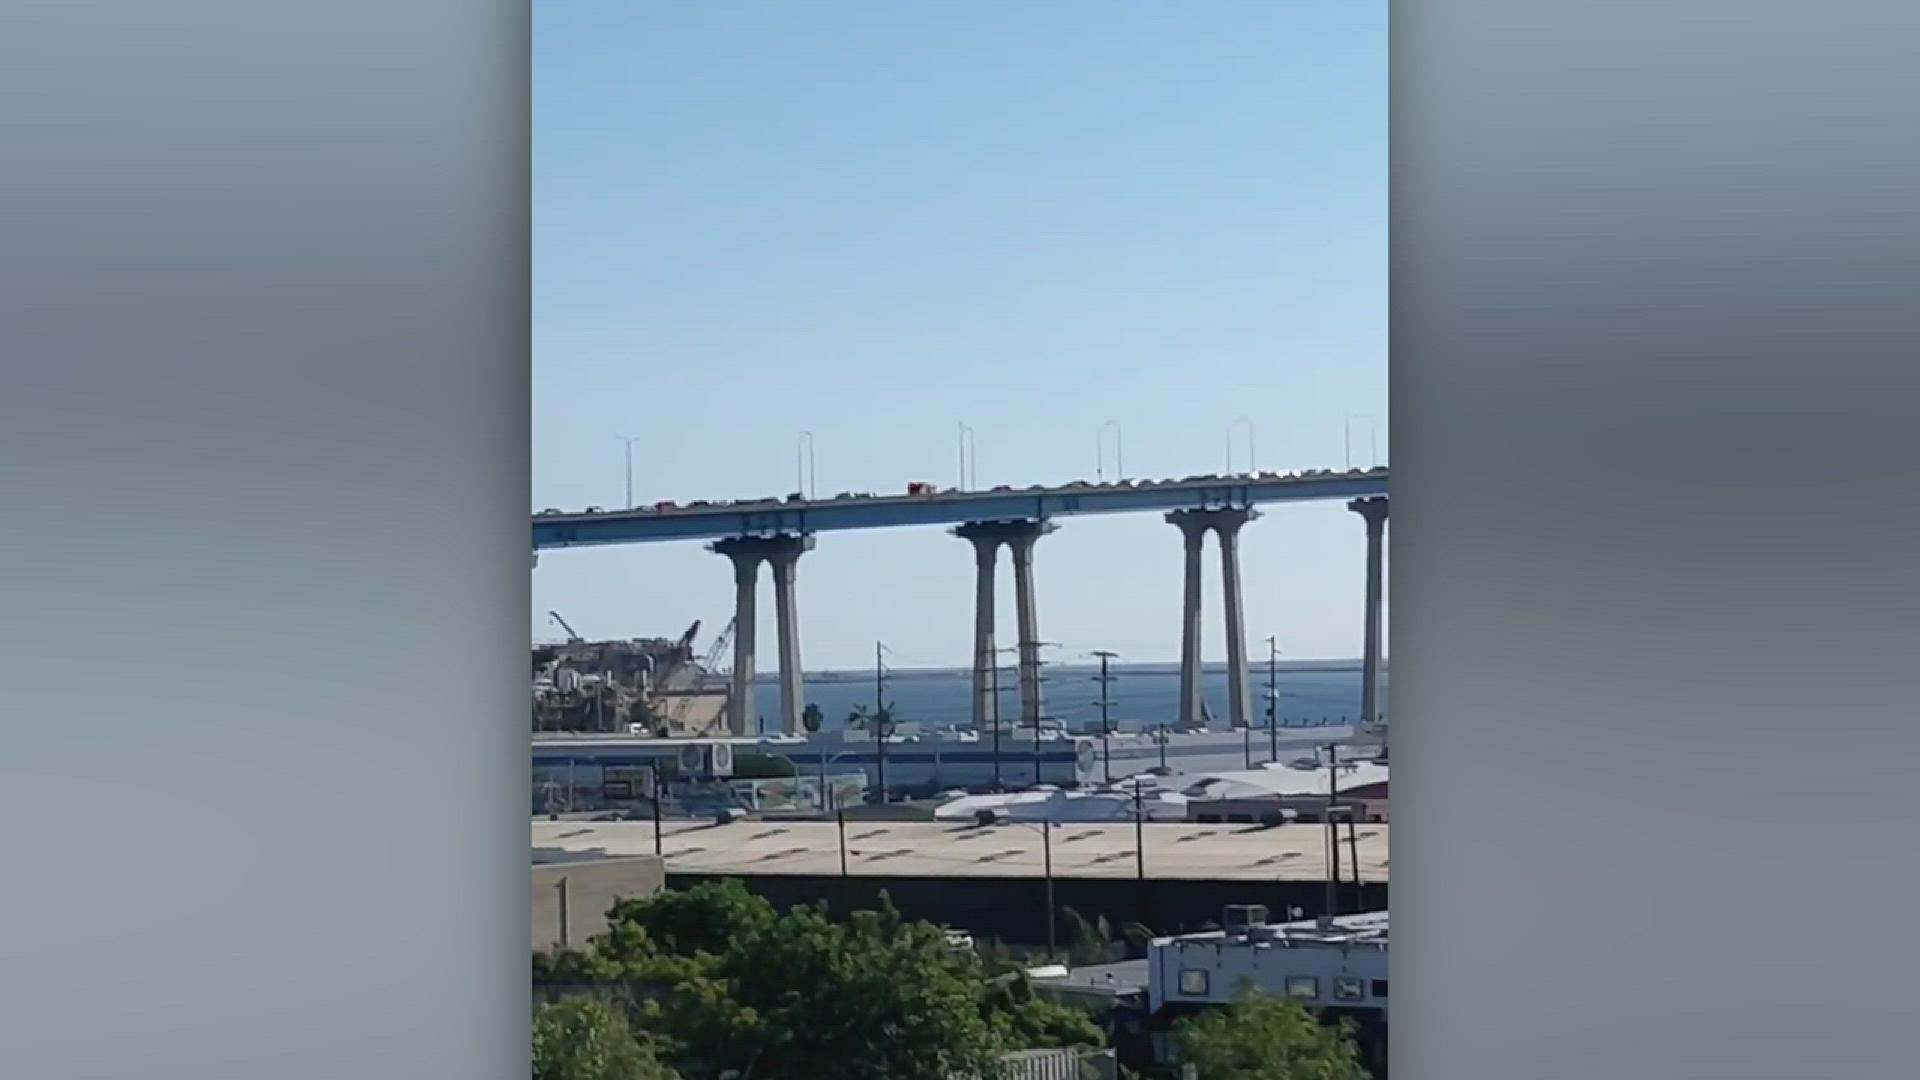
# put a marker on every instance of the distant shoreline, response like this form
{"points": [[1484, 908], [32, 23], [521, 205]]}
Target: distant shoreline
{"points": [[1150, 666]]}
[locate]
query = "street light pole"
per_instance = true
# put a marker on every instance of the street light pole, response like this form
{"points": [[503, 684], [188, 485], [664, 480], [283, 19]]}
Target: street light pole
{"points": [[1237, 422], [629, 440], [1119, 461], [969, 455], [804, 477]]}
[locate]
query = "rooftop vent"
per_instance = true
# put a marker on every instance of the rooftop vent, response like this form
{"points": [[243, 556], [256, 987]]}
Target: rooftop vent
{"points": [[1240, 917]]}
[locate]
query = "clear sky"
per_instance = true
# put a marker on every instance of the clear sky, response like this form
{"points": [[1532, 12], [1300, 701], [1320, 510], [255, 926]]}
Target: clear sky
{"points": [[877, 221]]}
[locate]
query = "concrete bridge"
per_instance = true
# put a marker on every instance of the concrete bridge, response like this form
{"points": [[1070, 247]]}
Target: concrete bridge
{"points": [[778, 532]]}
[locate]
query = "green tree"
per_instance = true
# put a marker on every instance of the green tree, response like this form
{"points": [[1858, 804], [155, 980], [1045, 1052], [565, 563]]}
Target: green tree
{"points": [[726, 985], [1026, 1021], [1261, 1037], [874, 998], [710, 918], [584, 1039]]}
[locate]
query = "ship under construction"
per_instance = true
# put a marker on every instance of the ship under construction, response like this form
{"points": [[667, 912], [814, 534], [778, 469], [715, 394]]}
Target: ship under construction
{"points": [[650, 687]]}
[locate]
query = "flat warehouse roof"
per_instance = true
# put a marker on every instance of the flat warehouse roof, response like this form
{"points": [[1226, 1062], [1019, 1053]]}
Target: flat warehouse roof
{"points": [[947, 849]]}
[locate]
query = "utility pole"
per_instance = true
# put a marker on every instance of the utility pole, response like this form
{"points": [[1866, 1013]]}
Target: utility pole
{"points": [[1333, 830], [1139, 856], [1273, 699], [1106, 723], [882, 715], [841, 817], [656, 813], [565, 913], [1160, 736], [1046, 848], [993, 661], [1353, 846], [1039, 681]]}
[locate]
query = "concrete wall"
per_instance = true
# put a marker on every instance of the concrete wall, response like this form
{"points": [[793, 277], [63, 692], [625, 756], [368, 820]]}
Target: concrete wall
{"points": [[591, 888]]}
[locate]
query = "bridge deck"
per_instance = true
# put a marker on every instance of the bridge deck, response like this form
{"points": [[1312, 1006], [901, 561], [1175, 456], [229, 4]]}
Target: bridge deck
{"points": [[640, 526]]}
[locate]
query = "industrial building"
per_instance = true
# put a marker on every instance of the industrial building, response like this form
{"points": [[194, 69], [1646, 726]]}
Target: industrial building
{"points": [[1336, 966], [1300, 792]]}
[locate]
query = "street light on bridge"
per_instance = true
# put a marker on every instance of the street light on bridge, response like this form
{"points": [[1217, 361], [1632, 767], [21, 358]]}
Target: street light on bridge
{"points": [[629, 440], [969, 467], [1231, 428], [1119, 462], [805, 482]]}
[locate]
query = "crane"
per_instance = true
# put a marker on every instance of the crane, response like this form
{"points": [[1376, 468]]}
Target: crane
{"points": [[707, 664], [572, 638]]}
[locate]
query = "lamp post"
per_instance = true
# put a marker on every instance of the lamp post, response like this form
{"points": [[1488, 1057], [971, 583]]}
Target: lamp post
{"points": [[1373, 455], [1237, 423], [804, 480], [629, 440], [969, 465], [1119, 461]]}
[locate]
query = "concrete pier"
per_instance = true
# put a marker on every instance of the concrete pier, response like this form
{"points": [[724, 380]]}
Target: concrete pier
{"points": [[986, 551], [1194, 526], [1019, 538], [1227, 528], [1028, 620], [1194, 531], [747, 553], [1374, 512]]}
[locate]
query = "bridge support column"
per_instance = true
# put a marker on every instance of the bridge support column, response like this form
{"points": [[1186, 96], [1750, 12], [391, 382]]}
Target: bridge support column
{"points": [[1019, 537], [1374, 512], [1021, 545], [1193, 530], [792, 674], [747, 553], [986, 549], [746, 581], [1194, 526], [1227, 527]]}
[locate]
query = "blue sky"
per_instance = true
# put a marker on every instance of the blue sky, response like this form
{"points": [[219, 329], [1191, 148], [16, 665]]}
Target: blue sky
{"points": [[876, 221]]}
